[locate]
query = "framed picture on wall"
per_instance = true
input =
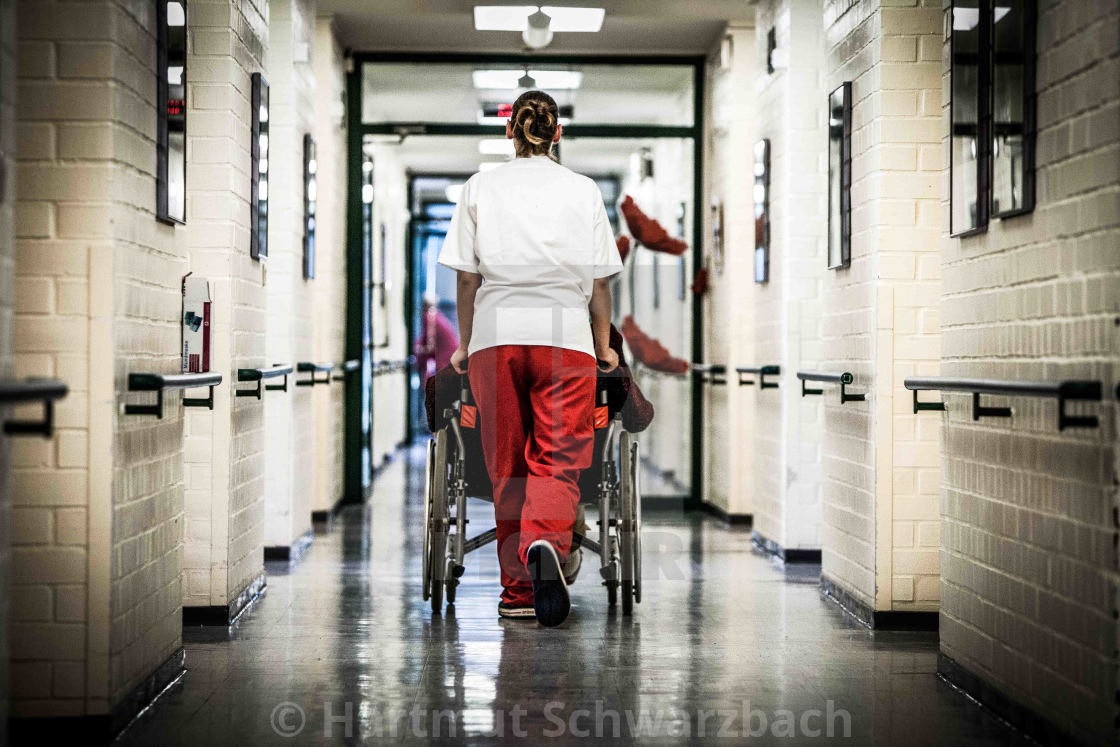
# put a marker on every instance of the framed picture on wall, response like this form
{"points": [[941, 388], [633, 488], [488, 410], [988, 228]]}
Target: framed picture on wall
{"points": [[1014, 52], [258, 193], [969, 28], [717, 236], [762, 211], [171, 112], [840, 177], [310, 200]]}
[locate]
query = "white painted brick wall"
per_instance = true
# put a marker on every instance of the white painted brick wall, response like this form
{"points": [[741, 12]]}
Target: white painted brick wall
{"points": [[881, 460], [1029, 572], [728, 326], [330, 281], [788, 428], [97, 594], [224, 451], [288, 486], [7, 303]]}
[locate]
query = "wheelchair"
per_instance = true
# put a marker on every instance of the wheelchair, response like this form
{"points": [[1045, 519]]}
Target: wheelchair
{"points": [[455, 470]]}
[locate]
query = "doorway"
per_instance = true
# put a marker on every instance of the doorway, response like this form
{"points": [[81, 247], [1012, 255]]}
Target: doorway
{"points": [[438, 119]]}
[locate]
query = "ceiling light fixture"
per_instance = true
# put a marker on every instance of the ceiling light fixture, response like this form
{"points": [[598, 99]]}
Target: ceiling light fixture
{"points": [[516, 17], [538, 31], [509, 80]]}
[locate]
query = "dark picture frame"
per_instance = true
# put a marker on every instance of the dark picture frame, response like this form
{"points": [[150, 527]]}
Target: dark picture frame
{"points": [[969, 30], [717, 236], [310, 204], [171, 111], [1014, 58], [840, 177], [762, 211], [258, 192]]}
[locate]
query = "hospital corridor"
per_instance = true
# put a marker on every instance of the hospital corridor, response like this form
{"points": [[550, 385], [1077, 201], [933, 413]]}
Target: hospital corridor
{"points": [[629, 371]]}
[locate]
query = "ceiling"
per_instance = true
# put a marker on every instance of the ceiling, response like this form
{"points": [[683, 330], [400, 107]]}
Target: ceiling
{"points": [[608, 94], [632, 27]]}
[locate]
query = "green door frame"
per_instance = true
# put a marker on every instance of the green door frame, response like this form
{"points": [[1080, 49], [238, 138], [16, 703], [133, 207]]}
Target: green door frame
{"points": [[355, 134]]}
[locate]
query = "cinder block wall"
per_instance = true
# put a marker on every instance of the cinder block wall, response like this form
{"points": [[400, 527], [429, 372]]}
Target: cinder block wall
{"points": [[330, 282], [729, 310], [1029, 574], [98, 525], [790, 114], [290, 320], [7, 301], [225, 448], [881, 460]]}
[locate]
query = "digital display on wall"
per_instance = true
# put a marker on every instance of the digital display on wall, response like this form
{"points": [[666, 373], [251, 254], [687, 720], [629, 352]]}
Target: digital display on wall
{"points": [[762, 211], [258, 197], [171, 114], [840, 177]]}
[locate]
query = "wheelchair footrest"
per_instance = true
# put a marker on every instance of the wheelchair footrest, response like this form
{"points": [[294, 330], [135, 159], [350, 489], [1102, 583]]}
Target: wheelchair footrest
{"points": [[609, 572]]}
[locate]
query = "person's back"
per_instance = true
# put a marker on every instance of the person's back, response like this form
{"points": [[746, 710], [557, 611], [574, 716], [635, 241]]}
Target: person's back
{"points": [[536, 228]]}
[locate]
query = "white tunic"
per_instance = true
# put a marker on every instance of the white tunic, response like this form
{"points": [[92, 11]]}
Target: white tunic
{"points": [[538, 234]]}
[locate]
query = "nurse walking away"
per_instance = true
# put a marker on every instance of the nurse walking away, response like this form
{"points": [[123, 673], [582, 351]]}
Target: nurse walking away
{"points": [[534, 250]]}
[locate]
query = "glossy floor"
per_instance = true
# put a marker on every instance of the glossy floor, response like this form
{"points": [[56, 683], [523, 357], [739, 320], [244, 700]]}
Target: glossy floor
{"points": [[725, 644]]}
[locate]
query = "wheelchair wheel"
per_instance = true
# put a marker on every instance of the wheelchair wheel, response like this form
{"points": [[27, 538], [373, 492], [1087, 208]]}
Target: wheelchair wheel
{"points": [[627, 470], [426, 526], [439, 519]]}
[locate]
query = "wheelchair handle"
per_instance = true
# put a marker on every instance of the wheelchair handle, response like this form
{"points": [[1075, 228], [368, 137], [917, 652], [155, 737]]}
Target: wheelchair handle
{"points": [[465, 389]]}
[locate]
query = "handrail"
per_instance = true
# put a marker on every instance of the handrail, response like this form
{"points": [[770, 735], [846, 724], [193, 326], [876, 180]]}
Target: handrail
{"points": [[32, 390], [762, 372], [387, 367], [309, 367], [259, 375], [843, 379], [641, 368], [1084, 390], [159, 383], [710, 373], [346, 367]]}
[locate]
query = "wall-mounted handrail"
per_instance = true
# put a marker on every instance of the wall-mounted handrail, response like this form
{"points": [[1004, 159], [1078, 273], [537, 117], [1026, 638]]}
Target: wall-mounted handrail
{"points": [[1084, 390], [761, 372], [160, 383], [388, 367], [710, 373], [32, 390], [843, 379], [259, 375], [308, 367], [640, 368], [346, 367]]}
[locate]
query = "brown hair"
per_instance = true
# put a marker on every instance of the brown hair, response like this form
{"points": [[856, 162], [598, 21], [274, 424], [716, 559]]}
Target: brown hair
{"points": [[534, 122]]}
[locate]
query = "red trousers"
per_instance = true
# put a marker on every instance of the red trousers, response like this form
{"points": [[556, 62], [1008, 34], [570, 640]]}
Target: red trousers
{"points": [[535, 407]]}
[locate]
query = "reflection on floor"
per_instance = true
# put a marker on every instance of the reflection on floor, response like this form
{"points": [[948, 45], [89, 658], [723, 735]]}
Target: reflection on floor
{"points": [[725, 644]]}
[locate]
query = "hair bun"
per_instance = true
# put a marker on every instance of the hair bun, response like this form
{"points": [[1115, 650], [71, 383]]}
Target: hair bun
{"points": [[534, 123]]}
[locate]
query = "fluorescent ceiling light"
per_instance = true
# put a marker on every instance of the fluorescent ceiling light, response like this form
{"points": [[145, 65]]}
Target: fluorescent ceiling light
{"points": [[495, 147], [516, 17], [586, 20], [546, 79], [502, 17], [454, 192]]}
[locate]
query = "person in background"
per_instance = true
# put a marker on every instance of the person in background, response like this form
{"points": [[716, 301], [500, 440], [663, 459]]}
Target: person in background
{"points": [[437, 342]]}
